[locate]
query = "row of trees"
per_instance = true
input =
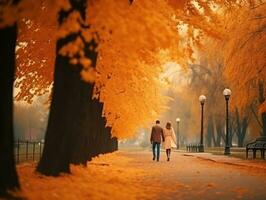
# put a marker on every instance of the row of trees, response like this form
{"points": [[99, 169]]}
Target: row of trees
{"points": [[88, 47], [76, 130], [211, 82], [239, 58], [117, 48], [233, 58]]}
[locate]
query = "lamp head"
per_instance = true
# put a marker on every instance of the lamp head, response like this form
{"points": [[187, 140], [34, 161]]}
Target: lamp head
{"points": [[202, 99], [227, 93]]}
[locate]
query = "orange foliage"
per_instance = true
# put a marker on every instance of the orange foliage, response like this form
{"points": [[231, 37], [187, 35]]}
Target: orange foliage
{"points": [[244, 54], [131, 40], [35, 57], [35, 52], [134, 41]]}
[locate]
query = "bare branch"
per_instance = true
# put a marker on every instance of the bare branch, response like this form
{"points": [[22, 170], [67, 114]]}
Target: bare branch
{"points": [[256, 116]]}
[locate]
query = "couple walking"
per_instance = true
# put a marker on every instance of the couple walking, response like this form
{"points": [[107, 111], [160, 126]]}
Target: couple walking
{"points": [[167, 135]]}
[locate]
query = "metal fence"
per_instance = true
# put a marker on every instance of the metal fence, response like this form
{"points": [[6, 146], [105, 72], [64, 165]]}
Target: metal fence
{"points": [[28, 150]]}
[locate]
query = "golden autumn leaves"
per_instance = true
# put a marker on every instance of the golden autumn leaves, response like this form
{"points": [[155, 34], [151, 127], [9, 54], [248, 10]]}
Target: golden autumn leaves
{"points": [[131, 45]]}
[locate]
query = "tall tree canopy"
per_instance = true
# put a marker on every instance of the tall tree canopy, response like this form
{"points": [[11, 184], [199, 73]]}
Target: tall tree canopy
{"points": [[129, 65]]}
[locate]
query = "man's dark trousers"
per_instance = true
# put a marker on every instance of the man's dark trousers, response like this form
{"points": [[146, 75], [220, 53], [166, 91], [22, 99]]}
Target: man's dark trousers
{"points": [[156, 145]]}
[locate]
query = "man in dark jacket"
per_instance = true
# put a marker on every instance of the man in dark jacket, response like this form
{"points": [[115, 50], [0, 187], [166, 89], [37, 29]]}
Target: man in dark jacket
{"points": [[156, 139]]}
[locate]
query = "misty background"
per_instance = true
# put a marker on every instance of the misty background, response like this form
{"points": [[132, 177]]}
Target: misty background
{"points": [[184, 87]]}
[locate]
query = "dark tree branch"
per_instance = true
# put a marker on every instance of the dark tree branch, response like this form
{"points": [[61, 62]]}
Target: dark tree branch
{"points": [[256, 116]]}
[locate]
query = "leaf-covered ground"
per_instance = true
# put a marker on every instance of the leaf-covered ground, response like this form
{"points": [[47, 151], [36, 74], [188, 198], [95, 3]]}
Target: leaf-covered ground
{"points": [[133, 175]]}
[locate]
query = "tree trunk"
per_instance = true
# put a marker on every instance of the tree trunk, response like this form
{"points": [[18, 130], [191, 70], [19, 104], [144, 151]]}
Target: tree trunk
{"points": [[115, 144], [242, 135], [261, 101], [88, 113], [87, 142], [220, 134], [65, 112], [8, 175], [210, 131], [238, 129], [75, 118], [231, 132], [263, 116], [241, 128], [65, 100]]}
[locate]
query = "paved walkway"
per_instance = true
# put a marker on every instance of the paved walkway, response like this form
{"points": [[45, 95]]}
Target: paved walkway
{"points": [[133, 175], [207, 176]]}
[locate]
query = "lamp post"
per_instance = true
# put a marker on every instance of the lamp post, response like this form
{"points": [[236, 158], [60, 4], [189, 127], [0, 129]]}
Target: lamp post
{"points": [[202, 100], [177, 132], [227, 94]]}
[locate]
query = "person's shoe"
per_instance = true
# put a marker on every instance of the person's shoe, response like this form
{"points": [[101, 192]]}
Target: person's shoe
{"points": [[168, 159], [153, 158], [157, 159]]}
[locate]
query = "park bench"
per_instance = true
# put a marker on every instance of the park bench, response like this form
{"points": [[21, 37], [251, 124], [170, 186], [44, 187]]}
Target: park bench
{"points": [[193, 147], [258, 145]]}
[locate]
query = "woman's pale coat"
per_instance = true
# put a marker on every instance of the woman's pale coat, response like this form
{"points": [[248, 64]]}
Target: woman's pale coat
{"points": [[169, 138]]}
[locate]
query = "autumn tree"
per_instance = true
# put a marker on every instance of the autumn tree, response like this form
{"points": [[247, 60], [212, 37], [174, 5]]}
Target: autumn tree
{"points": [[244, 55], [35, 68], [32, 71], [242, 72], [205, 79], [197, 18], [71, 98], [129, 65], [241, 124], [203, 20], [10, 12], [144, 56]]}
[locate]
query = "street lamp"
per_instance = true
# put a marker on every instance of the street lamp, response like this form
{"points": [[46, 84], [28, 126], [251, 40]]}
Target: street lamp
{"points": [[202, 100], [227, 94], [177, 132]]}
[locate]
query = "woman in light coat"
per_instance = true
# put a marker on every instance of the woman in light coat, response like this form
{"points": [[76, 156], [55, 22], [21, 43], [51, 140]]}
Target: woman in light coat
{"points": [[169, 139]]}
